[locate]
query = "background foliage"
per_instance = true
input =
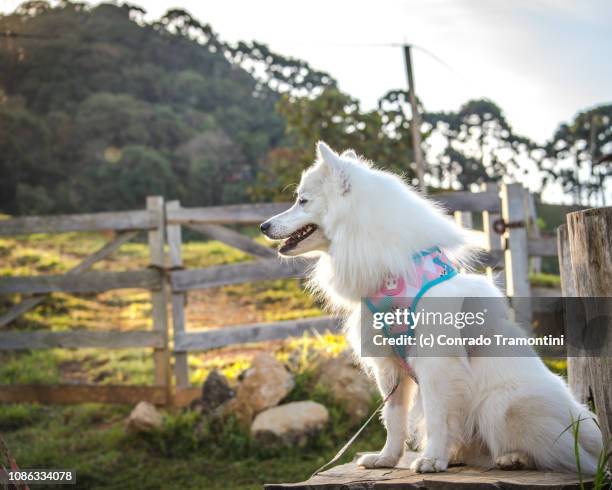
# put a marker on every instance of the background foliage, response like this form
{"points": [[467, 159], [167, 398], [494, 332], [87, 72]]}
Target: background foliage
{"points": [[99, 108]]}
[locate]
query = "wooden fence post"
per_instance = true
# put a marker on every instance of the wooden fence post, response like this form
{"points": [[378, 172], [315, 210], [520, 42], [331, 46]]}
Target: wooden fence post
{"points": [[590, 244], [577, 367], [464, 219], [533, 231], [514, 214], [161, 355], [174, 235], [493, 240]]}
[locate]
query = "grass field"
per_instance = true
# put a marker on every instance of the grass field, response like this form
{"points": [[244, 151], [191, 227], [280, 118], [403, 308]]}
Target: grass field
{"points": [[187, 453]]}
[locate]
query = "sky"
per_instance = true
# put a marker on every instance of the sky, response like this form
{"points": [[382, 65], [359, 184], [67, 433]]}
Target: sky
{"points": [[541, 61]]}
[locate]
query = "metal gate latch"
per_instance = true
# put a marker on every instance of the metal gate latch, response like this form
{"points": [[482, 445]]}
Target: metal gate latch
{"points": [[500, 226]]}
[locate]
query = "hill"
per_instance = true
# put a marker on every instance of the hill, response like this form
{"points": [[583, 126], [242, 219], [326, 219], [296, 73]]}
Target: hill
{"points": [[99, 108]]}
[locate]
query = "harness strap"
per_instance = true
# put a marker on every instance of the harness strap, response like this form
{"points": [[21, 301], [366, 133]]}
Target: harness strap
{"points": [[349, 443]]}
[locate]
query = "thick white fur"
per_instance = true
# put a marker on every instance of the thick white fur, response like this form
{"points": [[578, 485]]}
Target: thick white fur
{"points": [[509, 412]]}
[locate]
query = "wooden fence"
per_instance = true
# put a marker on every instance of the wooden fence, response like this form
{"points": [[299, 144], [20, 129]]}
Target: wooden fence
{"points": [[508, 234], [127, 224]]}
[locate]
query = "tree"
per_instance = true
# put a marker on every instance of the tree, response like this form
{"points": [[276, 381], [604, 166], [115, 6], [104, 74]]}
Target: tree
{"points": [[216, 166], [20, 158], [336, 118], [126, 181], [477, 145], [278, 72], [578, 157]]}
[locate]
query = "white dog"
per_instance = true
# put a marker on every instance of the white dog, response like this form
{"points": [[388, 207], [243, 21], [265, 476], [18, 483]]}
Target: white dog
{"points": [[364, 225]]}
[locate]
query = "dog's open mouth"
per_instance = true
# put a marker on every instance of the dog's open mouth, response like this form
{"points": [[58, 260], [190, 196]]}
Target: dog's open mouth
{"points": [[296, 237]]}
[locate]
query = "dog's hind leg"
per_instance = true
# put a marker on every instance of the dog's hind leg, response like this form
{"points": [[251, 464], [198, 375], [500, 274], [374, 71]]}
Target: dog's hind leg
{"points": [[515, 460], [394, 414]]}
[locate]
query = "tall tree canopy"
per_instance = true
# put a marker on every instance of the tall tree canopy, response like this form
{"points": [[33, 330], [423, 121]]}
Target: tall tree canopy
{"points": [[476, 144], [579, 156]]}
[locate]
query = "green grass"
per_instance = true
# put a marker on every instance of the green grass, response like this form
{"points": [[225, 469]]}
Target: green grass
{"points": [[188, 453], [545, 280], [33, 367], [602, 478]]}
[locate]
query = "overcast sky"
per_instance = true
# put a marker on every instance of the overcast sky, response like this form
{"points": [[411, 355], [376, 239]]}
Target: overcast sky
{"points": [[540, 60]]}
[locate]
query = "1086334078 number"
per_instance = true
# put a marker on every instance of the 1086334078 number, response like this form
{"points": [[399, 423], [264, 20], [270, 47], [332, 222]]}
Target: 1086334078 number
{"points": [[49, 477]]}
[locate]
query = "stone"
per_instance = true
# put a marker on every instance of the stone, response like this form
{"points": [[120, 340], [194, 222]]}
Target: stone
{"points": [[144, 418], [347, 384], [291, 424], [263, 386], [215, 392]]}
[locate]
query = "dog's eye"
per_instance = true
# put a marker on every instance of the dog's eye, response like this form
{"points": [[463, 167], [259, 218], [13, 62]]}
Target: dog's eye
{"points": [[302, 201]]}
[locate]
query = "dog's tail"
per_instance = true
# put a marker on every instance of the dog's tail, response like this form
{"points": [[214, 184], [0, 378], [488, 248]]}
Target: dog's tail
{"points": [[578, 447]]}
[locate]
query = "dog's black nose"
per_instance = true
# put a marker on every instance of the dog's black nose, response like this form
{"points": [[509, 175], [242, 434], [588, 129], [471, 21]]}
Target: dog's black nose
{"points": [[265, 226]]}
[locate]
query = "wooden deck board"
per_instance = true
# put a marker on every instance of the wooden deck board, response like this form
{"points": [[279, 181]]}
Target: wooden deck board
{"points": [[351, 477]]}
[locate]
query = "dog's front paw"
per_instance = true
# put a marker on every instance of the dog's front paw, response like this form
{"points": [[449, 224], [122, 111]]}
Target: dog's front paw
{"points": [[516, 460], [428, 465], [377, 460]]}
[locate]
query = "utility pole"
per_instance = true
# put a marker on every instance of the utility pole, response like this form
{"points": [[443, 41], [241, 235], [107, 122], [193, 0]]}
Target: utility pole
{"points": [[415, 124]]}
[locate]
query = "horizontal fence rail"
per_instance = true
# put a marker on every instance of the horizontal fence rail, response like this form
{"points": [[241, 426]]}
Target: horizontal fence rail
{"points": [[83, 393], [469, 201], [79, 339], [256, 213], [235, 214], [545, 246], [223, 275], [256, 332], [86, 282], [120, 220]]}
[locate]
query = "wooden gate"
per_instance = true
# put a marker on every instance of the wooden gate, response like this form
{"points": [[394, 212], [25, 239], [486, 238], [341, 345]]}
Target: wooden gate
{"points": [[127, 225]]}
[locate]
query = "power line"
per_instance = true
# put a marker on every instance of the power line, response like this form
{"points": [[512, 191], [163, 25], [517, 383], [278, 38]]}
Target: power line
{"points": [[378, 45], [434, 56]]}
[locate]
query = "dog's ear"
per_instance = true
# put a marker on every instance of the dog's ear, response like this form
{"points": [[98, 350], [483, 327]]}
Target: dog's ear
{"points": [[327, 155], [349, 154], [331, 160]]}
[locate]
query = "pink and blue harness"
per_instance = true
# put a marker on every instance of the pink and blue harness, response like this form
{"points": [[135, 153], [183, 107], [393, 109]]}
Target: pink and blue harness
{"points": [[432, 267]]}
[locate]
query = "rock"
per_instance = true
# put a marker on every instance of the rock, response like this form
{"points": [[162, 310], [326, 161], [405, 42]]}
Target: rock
{"points": [[290, 424], [144, 418], [215, 392], [264, 384], [347, 384]]}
